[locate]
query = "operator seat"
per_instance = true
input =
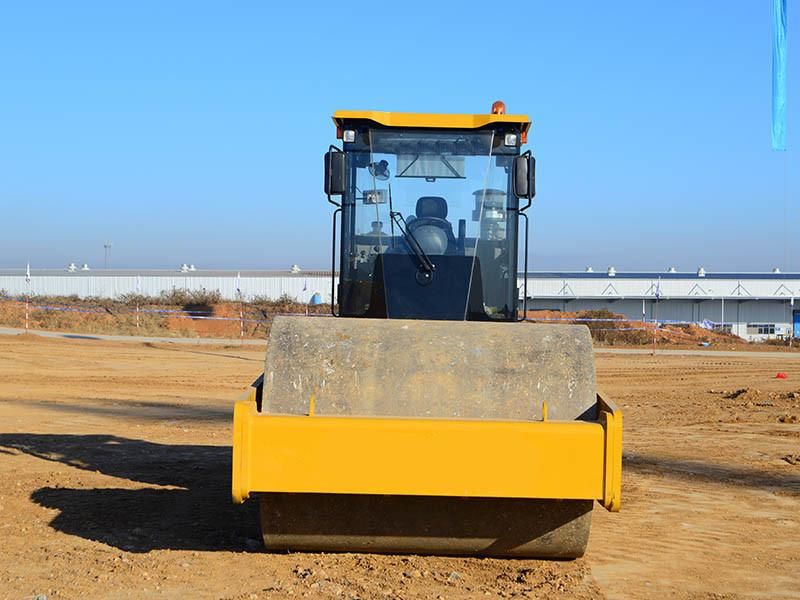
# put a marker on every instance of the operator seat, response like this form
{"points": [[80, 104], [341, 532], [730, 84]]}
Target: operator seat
{"points": [[431, 228]]}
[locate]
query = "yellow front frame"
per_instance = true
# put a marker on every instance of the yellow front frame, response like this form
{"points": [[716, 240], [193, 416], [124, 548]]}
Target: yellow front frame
{"points": [[573, 460]]}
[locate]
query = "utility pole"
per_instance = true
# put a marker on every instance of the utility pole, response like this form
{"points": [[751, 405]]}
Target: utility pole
{"points": [[107, 248]]}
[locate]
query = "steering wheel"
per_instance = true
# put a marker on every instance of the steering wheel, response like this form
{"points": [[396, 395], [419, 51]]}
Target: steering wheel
{"points": [[435, 235]]}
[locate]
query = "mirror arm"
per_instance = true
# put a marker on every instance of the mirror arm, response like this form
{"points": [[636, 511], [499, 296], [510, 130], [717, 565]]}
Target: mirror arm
{"points": [[525, 271], [333, 264]]}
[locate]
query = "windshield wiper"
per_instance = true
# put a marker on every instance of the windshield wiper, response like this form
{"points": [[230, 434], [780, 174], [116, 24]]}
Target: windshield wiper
{"points": [[412, 242]]}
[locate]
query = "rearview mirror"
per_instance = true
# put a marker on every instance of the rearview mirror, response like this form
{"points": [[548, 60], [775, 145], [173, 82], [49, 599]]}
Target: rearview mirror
{"points": [[335, 173], [525, 176]]}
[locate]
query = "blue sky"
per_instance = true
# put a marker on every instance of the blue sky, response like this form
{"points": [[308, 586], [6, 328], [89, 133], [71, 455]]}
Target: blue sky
{"points": [[193, 131]]}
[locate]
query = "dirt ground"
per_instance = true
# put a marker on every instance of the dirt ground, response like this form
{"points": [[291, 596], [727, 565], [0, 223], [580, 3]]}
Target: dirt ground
{"points": [[114, 483]]}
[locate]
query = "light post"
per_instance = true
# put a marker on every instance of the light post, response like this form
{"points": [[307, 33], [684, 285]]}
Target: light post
{"points": [[107, 248]]}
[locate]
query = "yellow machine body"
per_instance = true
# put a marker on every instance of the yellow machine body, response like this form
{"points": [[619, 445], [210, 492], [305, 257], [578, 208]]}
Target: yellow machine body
{"points": [[425, 419], [567, 460], [429, 120]]}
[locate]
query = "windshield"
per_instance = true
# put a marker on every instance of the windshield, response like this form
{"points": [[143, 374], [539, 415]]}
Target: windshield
{"points": [[435, 208]]}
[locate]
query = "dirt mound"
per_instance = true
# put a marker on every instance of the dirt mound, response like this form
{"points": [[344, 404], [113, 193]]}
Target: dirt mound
{"points": [[754, 400], [216, 320], [615, 328], [748, 394], [151, 316]]}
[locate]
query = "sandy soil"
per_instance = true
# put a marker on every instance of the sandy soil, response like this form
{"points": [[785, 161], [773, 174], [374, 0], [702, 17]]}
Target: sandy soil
{"points": [[114, 467]]}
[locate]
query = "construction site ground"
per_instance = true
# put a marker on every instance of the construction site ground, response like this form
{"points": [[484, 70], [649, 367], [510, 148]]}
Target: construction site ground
{"points": [[115, 466]]}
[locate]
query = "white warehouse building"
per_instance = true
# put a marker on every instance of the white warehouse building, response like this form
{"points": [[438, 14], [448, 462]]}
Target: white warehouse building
{"points": [[752, 305]]}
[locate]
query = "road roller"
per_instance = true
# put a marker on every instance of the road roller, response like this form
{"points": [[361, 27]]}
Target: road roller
{"points": [[428, 417]]}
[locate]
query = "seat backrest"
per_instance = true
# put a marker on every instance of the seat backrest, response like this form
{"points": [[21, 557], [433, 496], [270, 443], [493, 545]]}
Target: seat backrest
{"points": [[432, 206]]}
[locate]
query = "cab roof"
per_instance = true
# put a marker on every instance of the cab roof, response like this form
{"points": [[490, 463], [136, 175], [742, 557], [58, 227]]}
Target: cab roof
{"points": [[429, 120]]}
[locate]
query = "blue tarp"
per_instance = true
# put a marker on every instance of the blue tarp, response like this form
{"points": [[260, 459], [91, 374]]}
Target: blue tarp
{"points": [[779, 75]]}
